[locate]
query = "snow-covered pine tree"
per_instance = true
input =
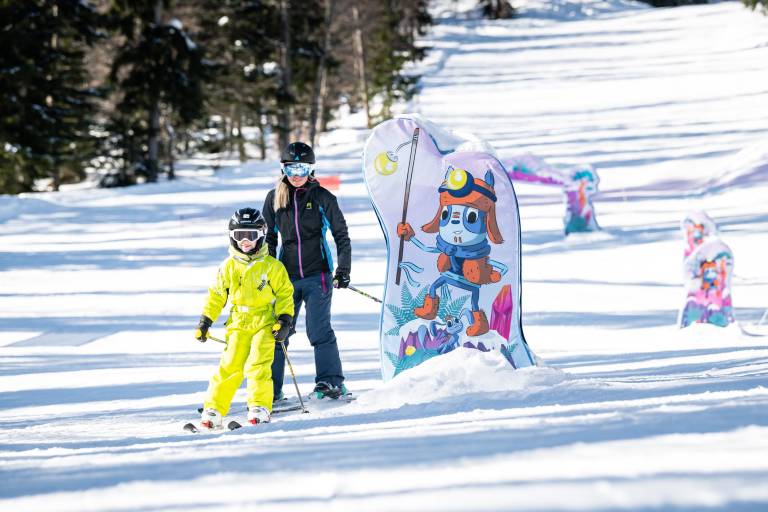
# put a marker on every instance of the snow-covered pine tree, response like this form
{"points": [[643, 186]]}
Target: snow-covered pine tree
{"points": [[388, 32], [47, 106], [752, 4], [241, 41], [158, 70]]}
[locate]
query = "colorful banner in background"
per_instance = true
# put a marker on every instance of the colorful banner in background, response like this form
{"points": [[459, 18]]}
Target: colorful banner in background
{"points": [[707, 269], [579, 211], [579, 185], [451, 222]]}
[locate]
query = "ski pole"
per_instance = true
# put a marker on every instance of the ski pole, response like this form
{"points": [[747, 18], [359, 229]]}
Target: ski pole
{"points": [[293, 376], [407, 194], [361, 292], [214, 338]]}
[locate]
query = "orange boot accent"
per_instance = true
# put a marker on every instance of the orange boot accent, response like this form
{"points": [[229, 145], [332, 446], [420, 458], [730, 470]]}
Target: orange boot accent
{"points": [[428, 311], [479, 324]]}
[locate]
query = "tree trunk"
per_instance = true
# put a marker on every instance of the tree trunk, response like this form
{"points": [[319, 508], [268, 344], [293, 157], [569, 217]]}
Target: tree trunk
{"points": [[360, 64], [243, 154], [262, 125], [231, 127], [318, 96], [154, 118], [171, 148], [285, 95], [55, 171], [56, 174]]}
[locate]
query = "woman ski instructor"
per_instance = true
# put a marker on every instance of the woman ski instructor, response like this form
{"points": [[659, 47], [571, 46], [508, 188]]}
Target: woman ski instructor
{"points": [[301, 211]]}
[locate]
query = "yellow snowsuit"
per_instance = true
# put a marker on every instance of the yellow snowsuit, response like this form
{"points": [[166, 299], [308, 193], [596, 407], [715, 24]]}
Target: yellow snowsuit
{"points": [[260, 291]]}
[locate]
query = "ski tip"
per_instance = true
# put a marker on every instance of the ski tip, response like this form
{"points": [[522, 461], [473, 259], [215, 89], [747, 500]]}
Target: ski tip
{"points": [[233, 425]]}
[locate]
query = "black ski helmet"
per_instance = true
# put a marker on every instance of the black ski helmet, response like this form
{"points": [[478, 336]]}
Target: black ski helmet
{"points": [[250, 219], [297, 152]]}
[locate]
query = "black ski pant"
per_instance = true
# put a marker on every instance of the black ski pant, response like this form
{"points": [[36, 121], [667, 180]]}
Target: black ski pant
{"points": [[315, 292]]}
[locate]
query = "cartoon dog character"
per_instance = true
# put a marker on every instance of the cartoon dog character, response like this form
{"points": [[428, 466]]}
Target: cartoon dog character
{"points": [[465, 221]]}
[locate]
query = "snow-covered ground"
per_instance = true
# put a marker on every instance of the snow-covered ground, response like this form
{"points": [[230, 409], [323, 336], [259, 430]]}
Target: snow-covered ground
{"points": [[101, 291]]}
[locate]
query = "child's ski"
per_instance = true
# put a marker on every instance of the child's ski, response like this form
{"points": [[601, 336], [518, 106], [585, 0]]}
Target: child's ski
{"points": [[191, 427], [195, 429], [279, 407], [286, 406]]}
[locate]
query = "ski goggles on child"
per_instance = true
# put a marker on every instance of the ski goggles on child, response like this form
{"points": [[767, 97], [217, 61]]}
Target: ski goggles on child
{"points": [[297, 169], [250, 234]]}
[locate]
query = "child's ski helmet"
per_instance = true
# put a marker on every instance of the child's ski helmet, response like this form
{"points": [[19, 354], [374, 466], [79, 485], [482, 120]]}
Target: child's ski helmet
{"points": [[247, 223]]}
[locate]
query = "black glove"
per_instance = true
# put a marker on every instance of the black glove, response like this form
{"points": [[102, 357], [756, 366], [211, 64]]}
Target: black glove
{"points": [[201, 334], [341, 279], [282, 327]]}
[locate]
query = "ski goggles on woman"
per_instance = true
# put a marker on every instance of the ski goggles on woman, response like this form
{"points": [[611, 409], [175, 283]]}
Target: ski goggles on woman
{"points": [[297, 169], [250, 234]]}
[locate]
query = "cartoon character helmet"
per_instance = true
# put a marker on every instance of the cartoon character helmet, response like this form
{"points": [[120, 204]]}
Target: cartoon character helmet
{"points": [[461, 188]]}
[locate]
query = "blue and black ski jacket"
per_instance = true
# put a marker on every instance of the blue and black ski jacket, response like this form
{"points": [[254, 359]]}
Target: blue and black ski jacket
{"points": [[311, 212]]}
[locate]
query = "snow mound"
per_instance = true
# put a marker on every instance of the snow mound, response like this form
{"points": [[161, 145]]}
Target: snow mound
{"points": [[458, 374], [747, 168]]}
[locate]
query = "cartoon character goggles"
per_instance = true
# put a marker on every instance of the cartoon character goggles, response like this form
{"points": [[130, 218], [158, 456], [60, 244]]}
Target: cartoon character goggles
{"points": [[297, 169], [252, 234], [460, 183]]}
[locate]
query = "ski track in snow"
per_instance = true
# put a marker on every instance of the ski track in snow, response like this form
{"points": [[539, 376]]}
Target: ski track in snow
{"points": [[101, 290]]}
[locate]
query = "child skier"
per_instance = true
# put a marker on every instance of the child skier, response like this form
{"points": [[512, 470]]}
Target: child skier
{"points": [[261, 295]]}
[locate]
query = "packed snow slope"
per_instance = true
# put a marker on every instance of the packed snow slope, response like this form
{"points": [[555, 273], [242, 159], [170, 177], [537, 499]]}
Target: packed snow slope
{"points": [[101, 291]]}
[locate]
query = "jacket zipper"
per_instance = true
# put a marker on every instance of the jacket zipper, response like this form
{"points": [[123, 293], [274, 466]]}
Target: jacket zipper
{"points": [[296, 224]]}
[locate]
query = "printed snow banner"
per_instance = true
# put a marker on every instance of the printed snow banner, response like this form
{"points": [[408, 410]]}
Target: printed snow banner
{"points": [[451, 223], [579, 185], [708, 271], [579, 211]]}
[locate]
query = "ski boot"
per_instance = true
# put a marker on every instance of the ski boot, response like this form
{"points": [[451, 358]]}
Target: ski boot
{"points": [[258, 414], [326, 390], [211, 418]]}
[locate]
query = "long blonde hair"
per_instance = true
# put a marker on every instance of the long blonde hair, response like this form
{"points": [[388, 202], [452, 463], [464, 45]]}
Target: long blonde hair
{"points": [[283, 192]]}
